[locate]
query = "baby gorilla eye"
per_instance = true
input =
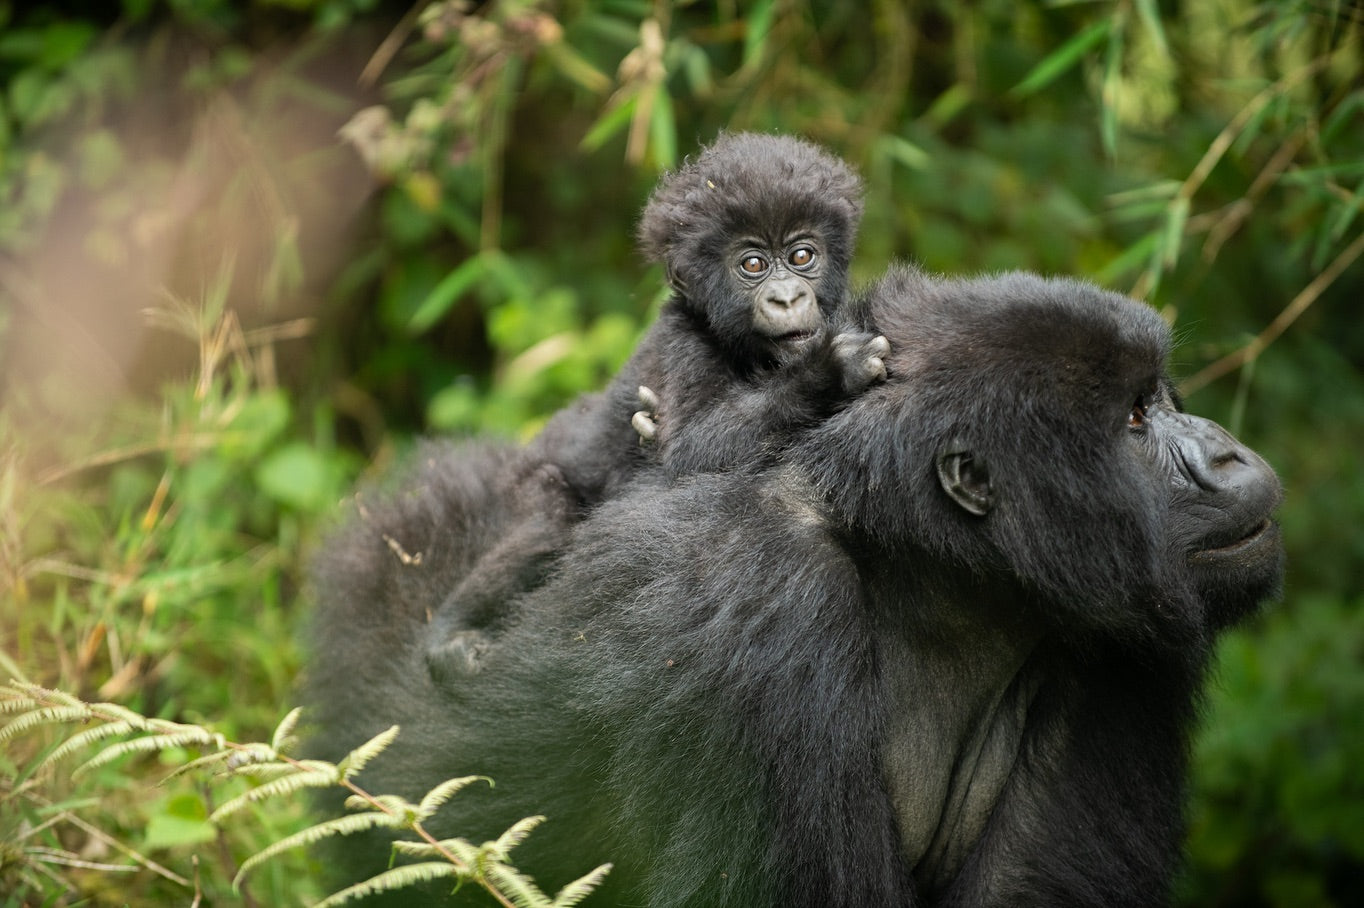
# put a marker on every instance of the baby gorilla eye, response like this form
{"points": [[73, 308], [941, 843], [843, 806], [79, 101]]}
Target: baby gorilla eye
{"points": [[754, 264], [801, 256]]}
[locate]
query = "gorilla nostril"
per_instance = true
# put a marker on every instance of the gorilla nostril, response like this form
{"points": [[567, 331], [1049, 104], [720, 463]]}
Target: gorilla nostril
{"points": [[1228, 457]]}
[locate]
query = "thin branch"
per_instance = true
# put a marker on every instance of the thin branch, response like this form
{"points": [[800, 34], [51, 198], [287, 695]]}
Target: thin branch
{"points": [[389, 47], [1232, 130], [1299, 305], [1241, 210]]}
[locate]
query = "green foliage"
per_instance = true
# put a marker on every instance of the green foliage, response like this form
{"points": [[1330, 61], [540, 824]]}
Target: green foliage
{"points": [[213, 312], [273, 773], [1279, 788]]}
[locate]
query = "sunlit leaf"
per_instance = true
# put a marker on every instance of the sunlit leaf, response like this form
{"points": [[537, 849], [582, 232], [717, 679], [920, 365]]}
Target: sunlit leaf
{"points": [[662, 129], [759, 23], [1150, 18], [609, 123], [1063, 59], [445, 294]]}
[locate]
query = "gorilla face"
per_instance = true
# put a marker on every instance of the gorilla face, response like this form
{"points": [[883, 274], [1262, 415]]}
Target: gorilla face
{"points": [[780, 281], [1224, 493], [756, 235]]}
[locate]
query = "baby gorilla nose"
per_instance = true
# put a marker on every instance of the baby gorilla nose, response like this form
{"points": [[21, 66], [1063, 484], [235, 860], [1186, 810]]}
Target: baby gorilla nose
{"points": [[787, 308], [787, 293]]}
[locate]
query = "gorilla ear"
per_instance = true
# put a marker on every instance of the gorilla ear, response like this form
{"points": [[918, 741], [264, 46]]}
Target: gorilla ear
{"points": [[674, 279], [966, 478]]}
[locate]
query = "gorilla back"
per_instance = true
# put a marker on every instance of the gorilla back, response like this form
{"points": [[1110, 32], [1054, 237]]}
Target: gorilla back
{"points": [[946, 653]]}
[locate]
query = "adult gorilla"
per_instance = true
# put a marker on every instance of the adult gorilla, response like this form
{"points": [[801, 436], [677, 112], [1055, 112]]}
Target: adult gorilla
{"points": [[947, 654]]}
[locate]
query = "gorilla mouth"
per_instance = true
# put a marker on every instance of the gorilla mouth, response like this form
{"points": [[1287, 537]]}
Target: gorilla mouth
{"points": [[1238, 547], [795, 337]]}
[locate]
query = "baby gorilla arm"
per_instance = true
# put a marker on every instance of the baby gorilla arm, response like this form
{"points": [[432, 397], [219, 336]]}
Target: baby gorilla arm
{"points": [[755, 418]]}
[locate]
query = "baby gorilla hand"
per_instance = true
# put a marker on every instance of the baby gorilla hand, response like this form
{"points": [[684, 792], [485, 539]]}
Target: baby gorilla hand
{"points": [[646, 421], [860, 357]]}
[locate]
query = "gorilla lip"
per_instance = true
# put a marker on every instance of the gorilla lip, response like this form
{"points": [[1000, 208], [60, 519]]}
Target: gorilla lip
{"points": [[1260, 531]]}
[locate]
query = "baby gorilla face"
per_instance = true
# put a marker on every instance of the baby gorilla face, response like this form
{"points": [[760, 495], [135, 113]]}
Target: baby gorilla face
{"points": [[778, 282]]}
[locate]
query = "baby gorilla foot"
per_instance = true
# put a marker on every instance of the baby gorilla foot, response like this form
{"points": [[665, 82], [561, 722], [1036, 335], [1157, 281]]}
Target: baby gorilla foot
{"points": [[458, 656], [861, 359], [646, 421]]}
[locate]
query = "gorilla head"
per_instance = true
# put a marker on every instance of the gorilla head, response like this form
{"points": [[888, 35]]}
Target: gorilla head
{"points": [[756, 235], [946, 652], [1068, 464]]}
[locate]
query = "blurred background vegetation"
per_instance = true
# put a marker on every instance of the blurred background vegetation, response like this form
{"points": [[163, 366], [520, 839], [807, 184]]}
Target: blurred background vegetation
{"points": [[249, 250]]}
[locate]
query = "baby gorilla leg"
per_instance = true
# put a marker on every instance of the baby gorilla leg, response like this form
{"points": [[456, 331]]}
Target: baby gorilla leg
{"points": [[483, 603]]}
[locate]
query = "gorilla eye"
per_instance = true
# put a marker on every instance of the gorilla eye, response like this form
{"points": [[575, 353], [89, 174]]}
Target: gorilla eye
{"points": [[754, 264], [801, 256], [1137, 418]]}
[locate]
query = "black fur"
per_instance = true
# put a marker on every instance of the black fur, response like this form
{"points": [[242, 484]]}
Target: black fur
{"points": [[946, 652], [730, 390]]}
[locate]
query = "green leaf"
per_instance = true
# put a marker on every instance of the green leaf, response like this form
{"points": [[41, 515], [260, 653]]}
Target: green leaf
{"points": [[1150, 17], [663, 129], [1112, 81], [609, 123], [1057, 63], [181, 820], [296, 475], [1173, 237], [755, 37], [358, 759], [577, 68], [445, 294], [389, 880], [579, 889], [904, 152], [64, 42], [1129, 260], [458, 407]]}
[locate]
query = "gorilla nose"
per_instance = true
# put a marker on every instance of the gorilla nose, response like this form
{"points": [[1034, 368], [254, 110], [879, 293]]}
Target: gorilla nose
{"points": [[787, 295], [1221, 465]]}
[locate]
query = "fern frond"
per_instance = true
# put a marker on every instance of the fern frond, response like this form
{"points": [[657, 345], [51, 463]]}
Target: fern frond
{"points": [[245, 756], [84, 739], [40, 695], [283, 738], [581, 888], [269, 771], [313, 778], [390, 880], [402, 812], [516, 886], [351, 823], [356, 760], [467, 853], [189, 737], [46, 715], [207, 760], [112, 712], [445, 791], [514, 836]]}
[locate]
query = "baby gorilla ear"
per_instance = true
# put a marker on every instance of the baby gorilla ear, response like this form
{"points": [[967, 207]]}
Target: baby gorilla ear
{"points": [[966, 478]]}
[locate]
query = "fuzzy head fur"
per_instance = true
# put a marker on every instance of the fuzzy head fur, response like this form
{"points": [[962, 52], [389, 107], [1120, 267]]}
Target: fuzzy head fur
{"points": [[751, 184]]}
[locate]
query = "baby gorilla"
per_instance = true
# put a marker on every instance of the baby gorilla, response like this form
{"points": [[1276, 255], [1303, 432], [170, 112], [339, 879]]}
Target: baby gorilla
{"points": [[755, 237], [755, 342]]}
